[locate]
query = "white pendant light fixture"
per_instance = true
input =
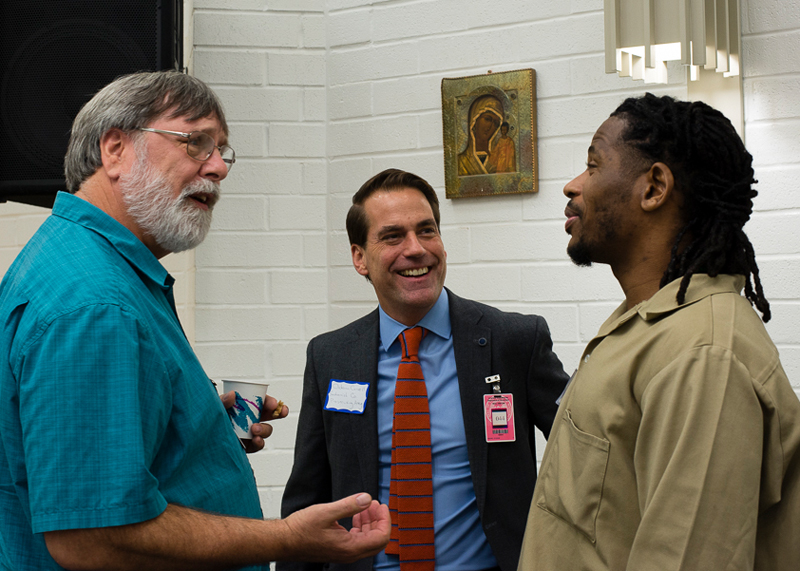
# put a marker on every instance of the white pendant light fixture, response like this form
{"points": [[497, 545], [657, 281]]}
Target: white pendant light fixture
{"points": [[641, 35]]}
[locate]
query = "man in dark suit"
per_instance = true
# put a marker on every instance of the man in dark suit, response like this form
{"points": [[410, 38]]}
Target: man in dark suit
{"points": [[472, 356]]}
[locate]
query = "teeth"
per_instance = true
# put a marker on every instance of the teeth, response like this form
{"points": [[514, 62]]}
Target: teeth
{"points": [[416, 272]]}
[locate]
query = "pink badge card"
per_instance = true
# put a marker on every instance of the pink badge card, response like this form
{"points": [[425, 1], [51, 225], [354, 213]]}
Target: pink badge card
{"points": [[499, 416]]}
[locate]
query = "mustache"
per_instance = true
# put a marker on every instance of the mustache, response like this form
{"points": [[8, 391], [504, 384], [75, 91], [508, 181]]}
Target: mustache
{"points": [[210, 189], [573, 209]]}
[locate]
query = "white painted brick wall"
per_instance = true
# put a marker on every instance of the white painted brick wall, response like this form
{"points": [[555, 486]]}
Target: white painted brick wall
{"points": [[297, 68], [322, 94], [262, 273], [235, 67], [771, 41], [218, 26], [18, 222], [299, 287]]}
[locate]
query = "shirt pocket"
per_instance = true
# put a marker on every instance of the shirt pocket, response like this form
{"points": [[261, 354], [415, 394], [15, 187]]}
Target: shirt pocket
{"points": [[572, 481]]}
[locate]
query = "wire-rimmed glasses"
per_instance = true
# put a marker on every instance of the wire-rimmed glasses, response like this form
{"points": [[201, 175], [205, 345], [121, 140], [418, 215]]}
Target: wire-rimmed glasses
{"points": [[200, 145]]}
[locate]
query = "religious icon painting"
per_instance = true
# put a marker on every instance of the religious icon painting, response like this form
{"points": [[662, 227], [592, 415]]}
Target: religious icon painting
{"points": [[489, 124]]}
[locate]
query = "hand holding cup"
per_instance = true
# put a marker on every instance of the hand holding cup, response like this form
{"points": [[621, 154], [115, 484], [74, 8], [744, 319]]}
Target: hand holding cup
{"points": [[249, 406]]}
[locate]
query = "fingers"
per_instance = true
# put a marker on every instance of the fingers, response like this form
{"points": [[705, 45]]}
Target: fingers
{"points": [[261, 430], [375, 517], [371, 530], [317, 536], [252, 445], [268, 410], [371, 526], [349, 506], [228, 399]]}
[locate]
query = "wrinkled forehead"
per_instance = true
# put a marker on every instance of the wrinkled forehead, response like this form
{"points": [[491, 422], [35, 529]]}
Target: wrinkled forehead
{"points": [[210, 124], [195, 109]]}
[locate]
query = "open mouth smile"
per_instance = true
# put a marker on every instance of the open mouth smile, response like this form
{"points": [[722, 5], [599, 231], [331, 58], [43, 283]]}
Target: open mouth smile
{"points": [[416, 272]]}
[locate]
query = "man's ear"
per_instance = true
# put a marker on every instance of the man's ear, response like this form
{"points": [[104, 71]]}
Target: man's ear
{"points": [[660, 185], [116, 147], [359, 259]]}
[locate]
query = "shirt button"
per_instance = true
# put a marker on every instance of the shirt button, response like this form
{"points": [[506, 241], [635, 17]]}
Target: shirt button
{"points": [[586, 359]]}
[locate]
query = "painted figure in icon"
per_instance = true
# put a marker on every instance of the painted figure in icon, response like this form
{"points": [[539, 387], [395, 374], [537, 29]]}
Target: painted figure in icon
{"points": [[503, 156], [485, 118], [489, 148]]}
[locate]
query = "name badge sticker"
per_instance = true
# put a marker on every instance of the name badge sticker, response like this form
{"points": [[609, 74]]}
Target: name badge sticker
{"points": [[499, 417], [346, 396]]}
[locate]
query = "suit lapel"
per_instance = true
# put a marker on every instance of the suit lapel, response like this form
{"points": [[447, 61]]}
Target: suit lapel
{"points": [[364, 427], [472, 344]]}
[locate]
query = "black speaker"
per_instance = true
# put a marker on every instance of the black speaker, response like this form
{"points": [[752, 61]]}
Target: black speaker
{"points": [[54, 56]]}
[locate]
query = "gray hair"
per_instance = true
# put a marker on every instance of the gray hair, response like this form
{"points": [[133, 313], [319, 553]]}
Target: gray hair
{"points": [[130, 102]]}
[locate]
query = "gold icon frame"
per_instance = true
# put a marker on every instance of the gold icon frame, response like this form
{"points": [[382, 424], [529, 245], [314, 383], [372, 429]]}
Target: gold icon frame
{"points": [[508, 96]]}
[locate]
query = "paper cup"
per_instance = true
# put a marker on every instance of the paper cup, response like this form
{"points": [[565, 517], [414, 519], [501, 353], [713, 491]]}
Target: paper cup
{"points": [[246, 411]]}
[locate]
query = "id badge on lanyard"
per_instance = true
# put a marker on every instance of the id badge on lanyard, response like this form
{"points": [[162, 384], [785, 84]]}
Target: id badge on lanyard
{"points": [[498, 409]]}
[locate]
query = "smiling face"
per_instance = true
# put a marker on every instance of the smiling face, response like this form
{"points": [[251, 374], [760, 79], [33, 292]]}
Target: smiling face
{"points": [[601, 208], [404, 256], [170, 195]]}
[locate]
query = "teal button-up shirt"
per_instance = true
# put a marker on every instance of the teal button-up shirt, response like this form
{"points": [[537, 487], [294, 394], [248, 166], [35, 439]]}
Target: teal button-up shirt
{"points": [[106, 415]]}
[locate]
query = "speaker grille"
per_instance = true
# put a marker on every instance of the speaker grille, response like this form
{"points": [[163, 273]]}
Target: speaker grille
{"points": [[55, 56]]}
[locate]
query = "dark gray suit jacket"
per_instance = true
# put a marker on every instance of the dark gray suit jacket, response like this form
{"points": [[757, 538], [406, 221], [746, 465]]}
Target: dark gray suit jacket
{"points": [[336, 454]]}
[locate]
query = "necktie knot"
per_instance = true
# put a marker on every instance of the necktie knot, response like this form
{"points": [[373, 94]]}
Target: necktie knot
{"points": [[410, 340]]}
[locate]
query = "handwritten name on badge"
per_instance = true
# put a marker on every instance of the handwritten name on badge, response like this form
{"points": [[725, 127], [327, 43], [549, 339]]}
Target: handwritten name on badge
{"points": [[347, 396]]}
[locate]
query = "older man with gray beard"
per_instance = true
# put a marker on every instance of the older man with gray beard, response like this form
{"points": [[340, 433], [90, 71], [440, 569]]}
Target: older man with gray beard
{"points": [[175, 223], [115, 450]]}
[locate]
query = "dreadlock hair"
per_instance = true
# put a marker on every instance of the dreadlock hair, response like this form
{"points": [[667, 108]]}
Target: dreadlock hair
{"points": [[713, 172]]}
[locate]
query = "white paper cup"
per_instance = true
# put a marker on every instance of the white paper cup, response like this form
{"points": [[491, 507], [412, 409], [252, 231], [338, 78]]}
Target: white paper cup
{"points": [[246, 411]]}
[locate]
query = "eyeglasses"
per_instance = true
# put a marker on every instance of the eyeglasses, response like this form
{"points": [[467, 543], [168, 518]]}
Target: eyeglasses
{"points": [[200, 145]]}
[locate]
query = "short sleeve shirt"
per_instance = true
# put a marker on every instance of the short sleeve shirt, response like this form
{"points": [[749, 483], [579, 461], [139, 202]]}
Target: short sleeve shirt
{"points": [[106, 415]]}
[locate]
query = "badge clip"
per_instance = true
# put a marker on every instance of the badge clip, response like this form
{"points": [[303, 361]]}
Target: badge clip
{"points": [[494, 380]]}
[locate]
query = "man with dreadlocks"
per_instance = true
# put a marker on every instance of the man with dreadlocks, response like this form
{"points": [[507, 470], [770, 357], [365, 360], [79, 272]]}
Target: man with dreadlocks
{"points": [[677, 443]]}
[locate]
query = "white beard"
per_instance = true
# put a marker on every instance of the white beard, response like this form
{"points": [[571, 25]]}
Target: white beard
{"points": [[175, 224]]}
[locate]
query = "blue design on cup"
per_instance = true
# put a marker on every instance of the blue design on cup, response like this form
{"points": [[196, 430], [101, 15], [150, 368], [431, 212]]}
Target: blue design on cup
{"points": [[244, 412]]}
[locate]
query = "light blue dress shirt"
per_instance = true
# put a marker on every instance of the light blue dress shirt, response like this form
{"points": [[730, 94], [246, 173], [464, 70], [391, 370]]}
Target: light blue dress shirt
{"points": [[460, 542], [106, 415]]}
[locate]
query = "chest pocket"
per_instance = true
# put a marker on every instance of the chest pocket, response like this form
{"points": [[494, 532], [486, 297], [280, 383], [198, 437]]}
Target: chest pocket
{"points": [[573, 479]]}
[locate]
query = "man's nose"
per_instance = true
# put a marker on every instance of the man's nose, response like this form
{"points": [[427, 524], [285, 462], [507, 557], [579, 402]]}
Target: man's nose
{"points": [[214, 168], [413, 247], [573, 187]]}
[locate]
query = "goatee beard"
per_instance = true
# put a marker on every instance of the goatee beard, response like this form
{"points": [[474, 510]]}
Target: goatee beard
{"points": [[580, 254]]}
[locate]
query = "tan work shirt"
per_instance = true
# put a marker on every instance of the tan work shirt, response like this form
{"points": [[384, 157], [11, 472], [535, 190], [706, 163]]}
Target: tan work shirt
{"points": [[676, 445]]}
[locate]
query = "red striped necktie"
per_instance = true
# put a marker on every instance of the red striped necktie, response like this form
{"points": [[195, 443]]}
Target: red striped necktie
{"points": [[410, 486]]}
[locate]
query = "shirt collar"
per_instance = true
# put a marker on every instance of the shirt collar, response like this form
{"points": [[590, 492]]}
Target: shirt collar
{"points": [[663, 302], [437, 321], [82, 212]]}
